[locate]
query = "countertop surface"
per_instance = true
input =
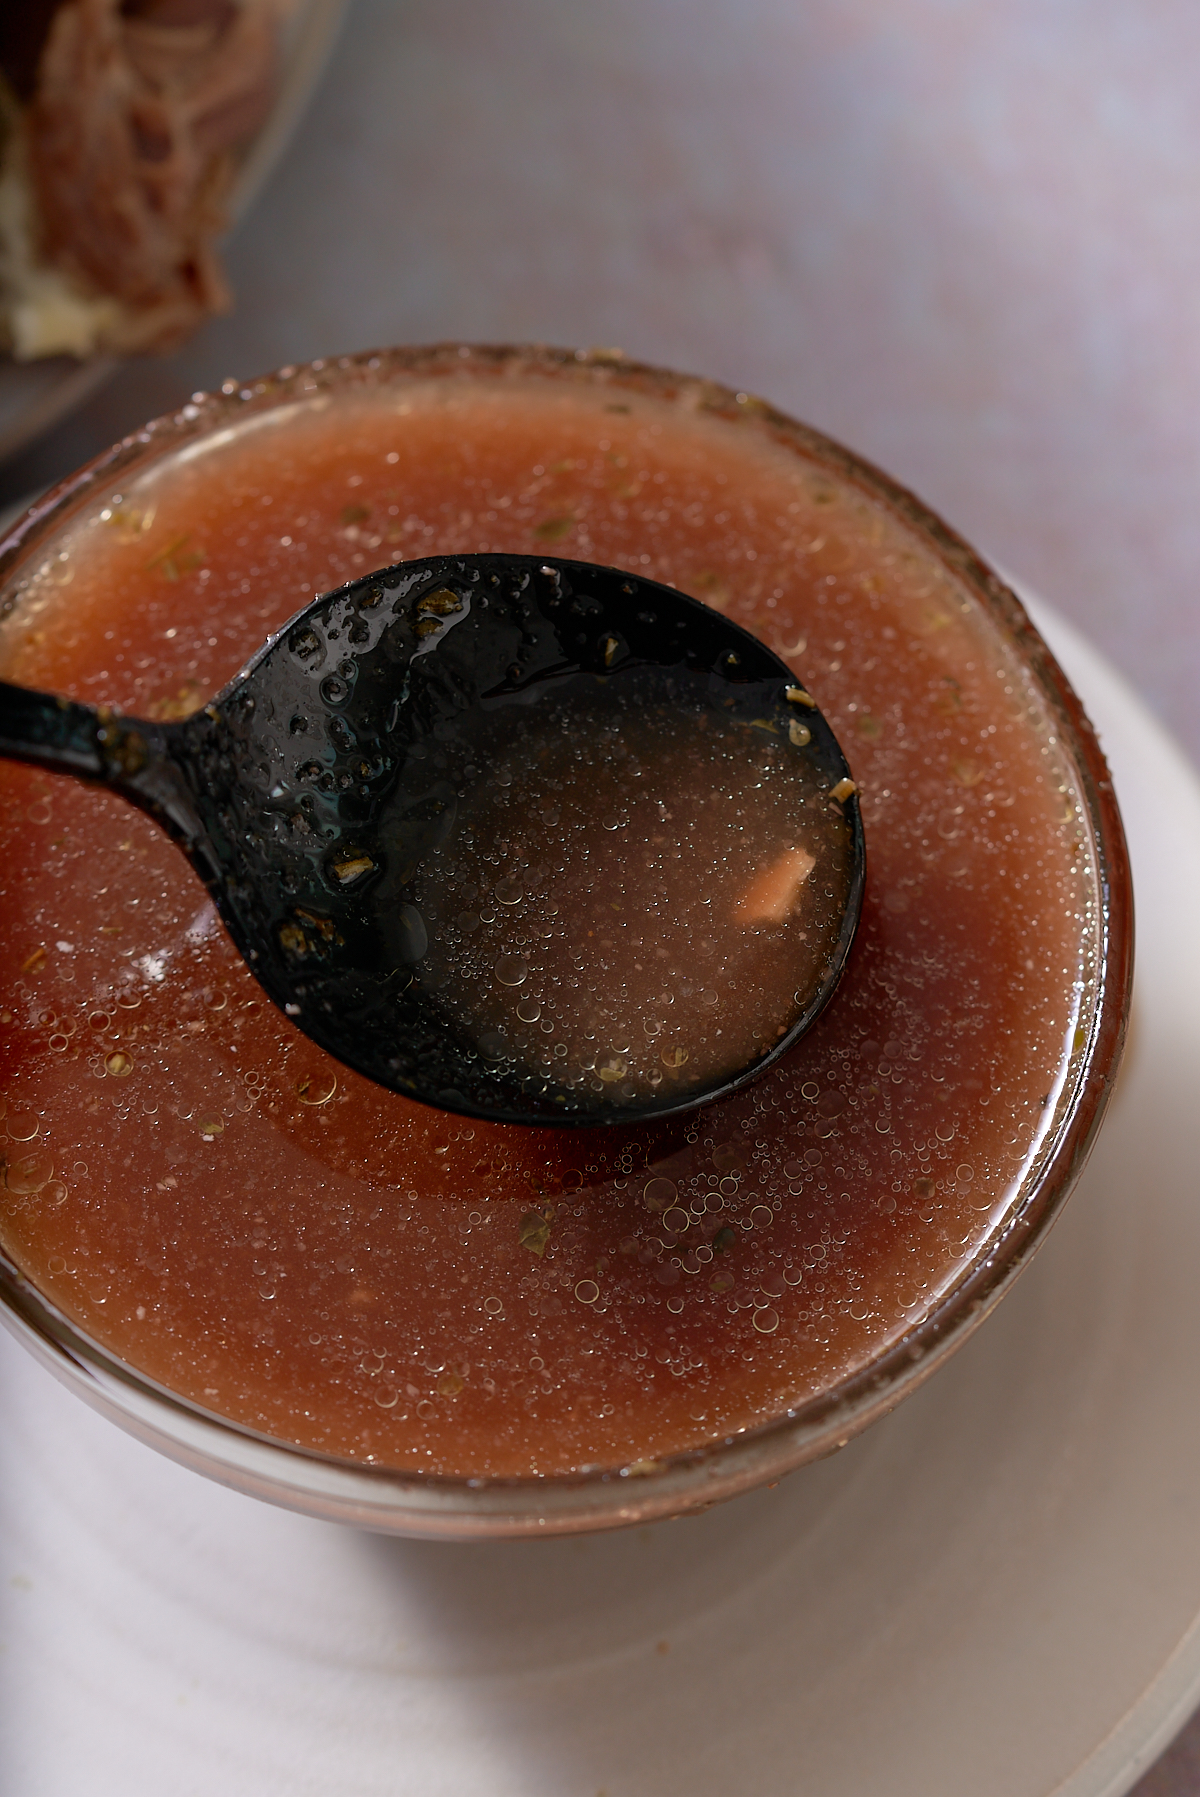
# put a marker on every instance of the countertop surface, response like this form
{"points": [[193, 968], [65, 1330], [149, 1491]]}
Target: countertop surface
{"points": [[964, 238]]}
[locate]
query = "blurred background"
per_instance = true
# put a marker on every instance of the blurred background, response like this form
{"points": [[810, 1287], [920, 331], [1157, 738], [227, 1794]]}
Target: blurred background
{"points": [[962, 236]]}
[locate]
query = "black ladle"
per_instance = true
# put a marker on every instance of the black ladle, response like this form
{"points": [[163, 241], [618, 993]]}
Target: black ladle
{"points": [[276, 791]]}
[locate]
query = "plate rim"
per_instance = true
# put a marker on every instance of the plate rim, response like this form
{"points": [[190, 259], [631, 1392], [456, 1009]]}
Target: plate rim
{"points": [[1127, 1742], [1146, 1729]]}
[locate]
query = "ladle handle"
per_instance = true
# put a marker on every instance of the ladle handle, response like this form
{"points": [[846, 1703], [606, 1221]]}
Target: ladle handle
{"points": [[127, 754], [51, 732]]}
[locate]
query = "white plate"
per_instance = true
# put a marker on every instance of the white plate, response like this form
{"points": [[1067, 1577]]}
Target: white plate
{"points": [[35, 395], [996, 1591]]}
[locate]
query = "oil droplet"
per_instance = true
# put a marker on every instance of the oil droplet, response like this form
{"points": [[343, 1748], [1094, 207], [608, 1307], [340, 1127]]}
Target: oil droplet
{"points": [[316, 1088], [766, 1321], [118, 1063], [28, 1174], [658, 1193], [529, 1010], [449, 1385], [676, 1220], [493, 1306], [673, 1057], [386, 1397], [510, 891], [587, 1291], [23, 1126], [510, 971]]}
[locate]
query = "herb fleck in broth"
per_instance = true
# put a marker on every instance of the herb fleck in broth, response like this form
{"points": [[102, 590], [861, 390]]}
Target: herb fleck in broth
{"points": [[637, 894], [259, 1229]]}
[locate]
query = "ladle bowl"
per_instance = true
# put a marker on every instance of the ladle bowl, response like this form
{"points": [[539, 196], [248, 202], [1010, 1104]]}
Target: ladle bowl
{"points": [[306, 795]]}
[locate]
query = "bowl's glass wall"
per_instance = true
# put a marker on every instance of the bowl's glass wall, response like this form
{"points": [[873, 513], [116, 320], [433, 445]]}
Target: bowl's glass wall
{"points": [[471, 1507]]}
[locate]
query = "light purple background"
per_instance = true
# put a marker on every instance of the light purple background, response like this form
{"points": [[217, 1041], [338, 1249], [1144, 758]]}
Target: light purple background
{"points": [[962, 236]]}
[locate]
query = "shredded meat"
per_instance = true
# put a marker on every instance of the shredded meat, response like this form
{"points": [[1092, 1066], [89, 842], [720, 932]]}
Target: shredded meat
{"points": [[129, 139]]}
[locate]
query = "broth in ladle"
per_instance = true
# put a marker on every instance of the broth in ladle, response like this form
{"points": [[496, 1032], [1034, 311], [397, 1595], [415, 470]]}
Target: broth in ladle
{"points": [[638, 893]]}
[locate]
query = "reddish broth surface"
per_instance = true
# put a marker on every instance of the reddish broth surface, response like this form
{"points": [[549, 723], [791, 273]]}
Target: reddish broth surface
{"points": [[206, 1194]]}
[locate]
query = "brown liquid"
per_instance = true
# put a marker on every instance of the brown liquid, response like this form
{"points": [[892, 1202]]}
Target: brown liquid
{"points": [[248, 1223], [635, 896]]}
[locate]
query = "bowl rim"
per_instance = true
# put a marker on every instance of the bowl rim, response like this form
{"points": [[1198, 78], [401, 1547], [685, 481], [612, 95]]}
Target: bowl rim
{"points": [[456, 1506]]}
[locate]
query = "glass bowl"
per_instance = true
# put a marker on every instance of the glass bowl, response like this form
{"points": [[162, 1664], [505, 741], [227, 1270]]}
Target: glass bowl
{"points": [[611, 1496]]}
